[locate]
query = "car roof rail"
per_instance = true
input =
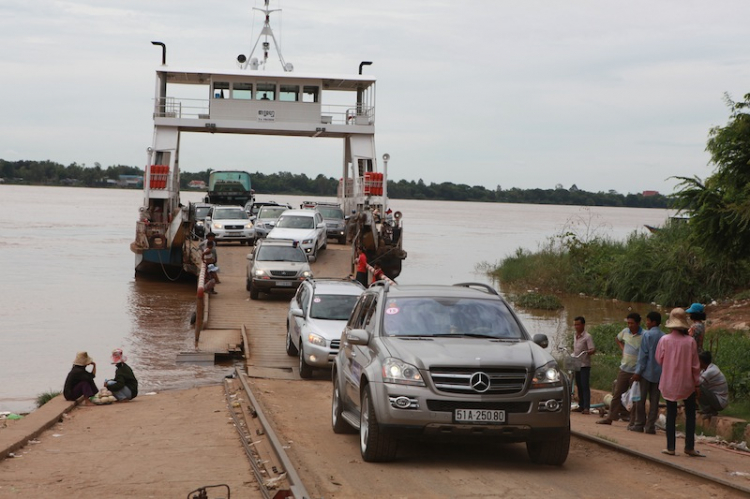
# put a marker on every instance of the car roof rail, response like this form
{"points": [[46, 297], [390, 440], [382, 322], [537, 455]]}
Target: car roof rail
{"points": [[485, 287], [382, 282]]}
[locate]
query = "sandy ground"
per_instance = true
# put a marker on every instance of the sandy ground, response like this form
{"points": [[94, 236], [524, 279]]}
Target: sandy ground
{"points": [[163, 445]]}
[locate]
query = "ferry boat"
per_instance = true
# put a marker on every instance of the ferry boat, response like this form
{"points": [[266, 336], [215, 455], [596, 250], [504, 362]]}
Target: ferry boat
{"points": [[252, 98]]}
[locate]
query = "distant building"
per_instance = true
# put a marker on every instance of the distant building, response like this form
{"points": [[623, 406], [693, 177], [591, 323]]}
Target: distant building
{"points": [[650, 193], [197, 184], [130, 181]]}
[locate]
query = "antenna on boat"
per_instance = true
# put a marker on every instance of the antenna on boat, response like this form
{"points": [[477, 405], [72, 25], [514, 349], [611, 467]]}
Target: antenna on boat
{"points": [[266, 32]]}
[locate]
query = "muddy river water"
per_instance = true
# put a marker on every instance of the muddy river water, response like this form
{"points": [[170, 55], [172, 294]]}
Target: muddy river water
{"points": [[69, 283]]}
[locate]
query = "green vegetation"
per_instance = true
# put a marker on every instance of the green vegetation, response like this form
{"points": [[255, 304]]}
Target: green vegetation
{"points": [[45, 397], [537, 301], [49, 173]]}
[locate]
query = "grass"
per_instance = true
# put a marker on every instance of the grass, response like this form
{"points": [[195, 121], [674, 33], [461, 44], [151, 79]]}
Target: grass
{"points": [[45, 397], [607, 438], [536, 300]]}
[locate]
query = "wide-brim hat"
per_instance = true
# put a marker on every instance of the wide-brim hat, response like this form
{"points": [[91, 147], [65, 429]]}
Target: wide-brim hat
{"points": [[82, 359], [677, 319], [696, 308], [117, 356]]}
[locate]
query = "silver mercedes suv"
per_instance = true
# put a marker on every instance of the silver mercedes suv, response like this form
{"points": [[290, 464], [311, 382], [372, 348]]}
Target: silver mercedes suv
{"points": [[446, 360]]}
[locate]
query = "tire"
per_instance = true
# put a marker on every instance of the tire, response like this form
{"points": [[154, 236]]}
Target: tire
{"points": [[291, 349], [314, 256], [338, 423], [553, 452], [248, 285], [325, 243], [305, 370], [342, 240], [375, 443], [253, 292]]}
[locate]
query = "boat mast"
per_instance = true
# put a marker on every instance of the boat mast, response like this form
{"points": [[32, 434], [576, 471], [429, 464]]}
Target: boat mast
{"points": [[265, 33]]}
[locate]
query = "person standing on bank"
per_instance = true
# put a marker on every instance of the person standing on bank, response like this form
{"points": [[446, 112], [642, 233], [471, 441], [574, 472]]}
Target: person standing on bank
{"points": [[680, 379], [648, 374], [124, 386], [80, 382], [629, 341], [583, 348], [698, 328], [361, 266]]}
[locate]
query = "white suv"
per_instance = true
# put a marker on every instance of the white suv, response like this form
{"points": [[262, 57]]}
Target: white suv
{"points": [[304, 226], [230, 223]]}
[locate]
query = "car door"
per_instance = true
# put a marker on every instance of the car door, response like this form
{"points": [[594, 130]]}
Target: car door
{"points": [[320, 231], [297, 323], [357, 356]]}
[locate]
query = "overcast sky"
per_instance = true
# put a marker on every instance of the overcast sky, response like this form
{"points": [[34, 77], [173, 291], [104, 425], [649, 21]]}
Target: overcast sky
{"points": [[529, 93]]}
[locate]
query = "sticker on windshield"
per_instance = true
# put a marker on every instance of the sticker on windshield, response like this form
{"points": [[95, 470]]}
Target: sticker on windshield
{"points": [[317, 300], [391, 310]]}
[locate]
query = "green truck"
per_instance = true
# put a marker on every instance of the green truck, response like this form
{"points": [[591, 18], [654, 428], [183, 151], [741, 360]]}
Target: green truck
{"points": [[229, 187]]}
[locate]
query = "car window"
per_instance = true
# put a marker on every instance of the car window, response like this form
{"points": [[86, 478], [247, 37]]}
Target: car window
{"points": [[234, 214], [201, 212], [369, 319], [357, 319], [304, 298], [295, 222], [426, 316], [280, 254], [332, 307]]}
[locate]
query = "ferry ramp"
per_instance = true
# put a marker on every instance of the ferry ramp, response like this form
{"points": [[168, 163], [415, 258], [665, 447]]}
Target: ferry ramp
{"points": [[264, 320]]}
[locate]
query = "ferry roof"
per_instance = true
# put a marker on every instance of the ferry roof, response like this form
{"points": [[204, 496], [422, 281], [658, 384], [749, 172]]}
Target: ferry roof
{"points": [[330, 81]]}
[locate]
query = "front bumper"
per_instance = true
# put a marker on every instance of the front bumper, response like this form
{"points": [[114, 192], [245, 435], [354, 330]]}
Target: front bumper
{"points": [[280, 284], [527, 416], [318, 355], [234, 235]]}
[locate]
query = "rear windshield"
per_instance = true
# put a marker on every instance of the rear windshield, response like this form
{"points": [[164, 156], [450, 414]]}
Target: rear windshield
{"points": [[271, 211], [332, 307], [280, 254], [295, 222], [450, 317], [331, 212]]}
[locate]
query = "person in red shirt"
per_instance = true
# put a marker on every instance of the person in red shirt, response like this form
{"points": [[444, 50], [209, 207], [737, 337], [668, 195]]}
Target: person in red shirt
{"points": [[361, 266]]}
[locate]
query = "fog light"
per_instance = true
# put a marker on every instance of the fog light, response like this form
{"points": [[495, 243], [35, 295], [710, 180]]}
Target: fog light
{"points": [[312, 358], [552, 405], [402, 402]]}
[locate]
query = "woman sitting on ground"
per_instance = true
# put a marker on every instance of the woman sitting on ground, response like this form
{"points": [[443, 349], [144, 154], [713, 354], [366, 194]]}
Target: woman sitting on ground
{"points": [[80, 382], [124, 386]]}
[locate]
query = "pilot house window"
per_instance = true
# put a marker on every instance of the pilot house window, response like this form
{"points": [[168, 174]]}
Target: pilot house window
{"points": [[289, 93], [242, 91], [265, 91], [310, 93], [221, 90]]}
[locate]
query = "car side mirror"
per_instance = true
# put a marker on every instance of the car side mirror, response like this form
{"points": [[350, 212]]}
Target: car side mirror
{"points": [[322, 225], [250, 256], [297, 312], [541, 340], [357, 337]]}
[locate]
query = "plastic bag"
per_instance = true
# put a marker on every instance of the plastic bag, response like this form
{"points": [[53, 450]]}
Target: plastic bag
{"points": [[631, 396]]}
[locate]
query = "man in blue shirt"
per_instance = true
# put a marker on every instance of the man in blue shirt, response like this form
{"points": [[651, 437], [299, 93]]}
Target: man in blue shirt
{"points": [[648, 373]]}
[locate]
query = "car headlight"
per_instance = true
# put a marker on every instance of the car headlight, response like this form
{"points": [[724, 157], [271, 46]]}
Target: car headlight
{"points": [[249, 226], [316, 340], [306, 273], [547, 376], [399, 372], [199, 223], [260, 272], [217, 225], [307, 241]]}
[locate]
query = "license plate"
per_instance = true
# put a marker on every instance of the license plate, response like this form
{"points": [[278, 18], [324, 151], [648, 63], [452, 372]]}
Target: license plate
{"points": [[237, 234], [284, 284], [479, 416]]}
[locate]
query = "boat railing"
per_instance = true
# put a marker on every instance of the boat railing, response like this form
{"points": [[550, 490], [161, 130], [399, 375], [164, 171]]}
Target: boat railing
{"points": [[200, 109]]}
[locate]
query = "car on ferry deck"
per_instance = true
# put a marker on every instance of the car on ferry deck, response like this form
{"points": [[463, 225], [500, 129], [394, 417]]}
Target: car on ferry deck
{"points": [[335, 221], [317, 315], [266, 217], [304, 226], [230, 223], [200, 210], [276, 265]]}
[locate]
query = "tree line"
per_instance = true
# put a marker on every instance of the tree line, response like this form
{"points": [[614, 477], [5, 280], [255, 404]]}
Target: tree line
{"points": [[51, 173]]}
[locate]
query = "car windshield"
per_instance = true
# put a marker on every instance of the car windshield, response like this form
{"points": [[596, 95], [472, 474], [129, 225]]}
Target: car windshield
{"points": [[331, 212], [202, 211], [233, 214], [295, 222], [332, 307], [271, 211], [280, 254], [427, 316]]}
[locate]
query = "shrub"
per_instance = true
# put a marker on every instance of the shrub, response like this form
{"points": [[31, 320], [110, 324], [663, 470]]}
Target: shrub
{"points": [[605, 363], [538, 301], [45, 397], [730, 352]]}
